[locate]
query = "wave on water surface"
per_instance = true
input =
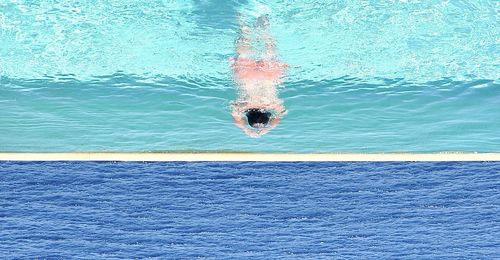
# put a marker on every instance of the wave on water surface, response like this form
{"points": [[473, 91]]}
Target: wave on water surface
{"points": [[321, 40]]}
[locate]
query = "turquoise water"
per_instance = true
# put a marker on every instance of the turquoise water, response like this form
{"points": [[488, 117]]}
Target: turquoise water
{"points": [[365, 76]]}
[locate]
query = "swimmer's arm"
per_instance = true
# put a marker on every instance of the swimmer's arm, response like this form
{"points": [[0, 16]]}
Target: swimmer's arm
{"points": [[275, 122], [252, 133], [280, 110], [238, 120], [272, 125]]}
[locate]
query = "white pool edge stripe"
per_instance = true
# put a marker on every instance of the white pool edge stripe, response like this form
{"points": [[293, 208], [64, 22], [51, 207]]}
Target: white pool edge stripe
{"points": [[279, 157]]}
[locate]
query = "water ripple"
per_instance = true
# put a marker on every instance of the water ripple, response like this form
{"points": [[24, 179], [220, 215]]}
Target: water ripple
{"points": [[236, 210]]}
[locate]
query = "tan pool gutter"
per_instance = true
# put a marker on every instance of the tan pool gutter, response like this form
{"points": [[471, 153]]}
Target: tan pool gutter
{"points": [[281, 157]]}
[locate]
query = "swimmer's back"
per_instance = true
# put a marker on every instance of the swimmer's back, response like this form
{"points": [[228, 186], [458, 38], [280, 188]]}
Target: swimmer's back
{"points": [[252, 69]]}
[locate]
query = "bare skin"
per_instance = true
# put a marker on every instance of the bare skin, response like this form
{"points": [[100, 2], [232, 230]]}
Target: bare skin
{"points": [[257, 79]]}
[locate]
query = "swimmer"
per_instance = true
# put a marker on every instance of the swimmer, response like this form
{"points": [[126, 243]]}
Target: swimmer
{"points": [[257, 108]]}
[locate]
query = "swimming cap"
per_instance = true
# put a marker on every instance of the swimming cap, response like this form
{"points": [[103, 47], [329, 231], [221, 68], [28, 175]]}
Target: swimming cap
{"points": [[257, 118]]}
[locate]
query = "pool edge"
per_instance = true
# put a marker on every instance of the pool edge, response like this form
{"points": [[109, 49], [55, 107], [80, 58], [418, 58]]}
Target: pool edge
{"points": [[283, 157]]}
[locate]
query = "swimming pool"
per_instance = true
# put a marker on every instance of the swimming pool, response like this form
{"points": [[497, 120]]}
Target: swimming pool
{"points": [[364, 76]]}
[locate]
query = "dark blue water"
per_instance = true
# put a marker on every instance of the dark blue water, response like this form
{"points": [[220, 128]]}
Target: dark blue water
{"points": [[248, 210]]}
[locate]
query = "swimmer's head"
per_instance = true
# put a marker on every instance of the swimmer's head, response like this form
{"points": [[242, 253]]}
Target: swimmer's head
{"points": [[258, 118]]}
